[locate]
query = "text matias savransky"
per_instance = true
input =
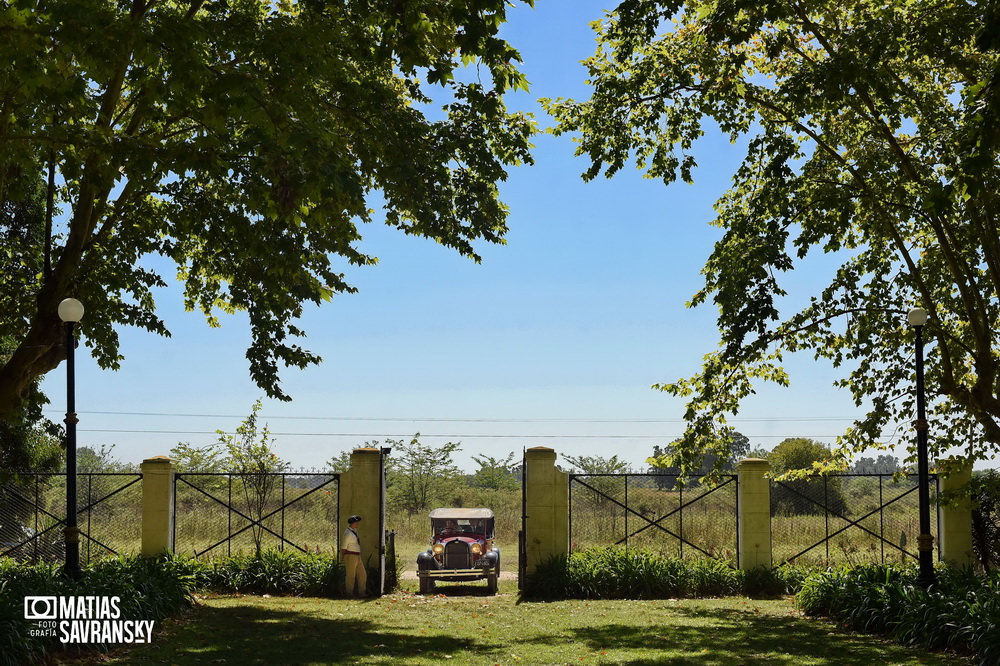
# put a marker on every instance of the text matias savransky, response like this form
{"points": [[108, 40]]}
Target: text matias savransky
{"points": [[85, 620]]}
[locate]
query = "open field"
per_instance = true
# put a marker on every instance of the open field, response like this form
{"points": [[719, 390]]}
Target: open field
{"points": [[468, 627]]}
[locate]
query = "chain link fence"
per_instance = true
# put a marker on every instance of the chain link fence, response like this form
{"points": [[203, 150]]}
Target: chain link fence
{"points": [[222, 514], [654, 512], [846, 519], [33, 515]]}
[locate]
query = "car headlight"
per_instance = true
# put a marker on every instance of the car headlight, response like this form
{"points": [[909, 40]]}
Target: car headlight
{"points": [[438, 548], [477, 549]]}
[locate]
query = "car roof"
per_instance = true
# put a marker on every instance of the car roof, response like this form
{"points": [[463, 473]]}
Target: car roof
{"points": [[462, 513]]}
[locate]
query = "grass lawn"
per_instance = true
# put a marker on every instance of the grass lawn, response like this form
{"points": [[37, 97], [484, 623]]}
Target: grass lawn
{"points": [[464, 626]]}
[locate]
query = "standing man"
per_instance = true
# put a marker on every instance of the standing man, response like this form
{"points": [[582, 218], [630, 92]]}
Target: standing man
{"points": [[354, 569]]}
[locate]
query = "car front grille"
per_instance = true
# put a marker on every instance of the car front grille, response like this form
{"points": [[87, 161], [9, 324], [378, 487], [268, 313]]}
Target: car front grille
{"points": [[456, 555]]}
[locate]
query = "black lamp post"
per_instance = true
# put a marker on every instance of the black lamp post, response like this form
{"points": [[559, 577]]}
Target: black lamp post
{"points": [[71, 312], [925, 542]]}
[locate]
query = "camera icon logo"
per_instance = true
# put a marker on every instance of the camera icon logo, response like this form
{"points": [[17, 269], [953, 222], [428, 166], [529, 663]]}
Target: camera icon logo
{"points": [[41, 608]]}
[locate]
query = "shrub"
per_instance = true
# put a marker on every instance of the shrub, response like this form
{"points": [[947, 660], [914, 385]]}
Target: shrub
{"points": [[274, 572], [616, 573], [150, 589], [962, 612], [764, 582]]}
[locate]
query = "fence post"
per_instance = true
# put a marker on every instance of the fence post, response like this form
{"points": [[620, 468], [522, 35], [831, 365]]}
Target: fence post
{"points": [[754, 518], [157, 506], [546, 503], [360, 493], [955, 514]]}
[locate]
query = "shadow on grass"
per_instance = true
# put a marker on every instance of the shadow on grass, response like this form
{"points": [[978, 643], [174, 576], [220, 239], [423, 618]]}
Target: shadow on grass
{"points": [[727, 636], [462, 590], [255, 635]]}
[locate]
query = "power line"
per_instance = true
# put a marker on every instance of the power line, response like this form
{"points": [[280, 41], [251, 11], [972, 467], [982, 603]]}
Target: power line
{"points": [[426, 435], [430, 419]]}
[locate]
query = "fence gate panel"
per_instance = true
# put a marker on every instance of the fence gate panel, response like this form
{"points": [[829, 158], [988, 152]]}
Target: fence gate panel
{"points": [[654, 512], [846, 519], [33, 515], [220, 514]]}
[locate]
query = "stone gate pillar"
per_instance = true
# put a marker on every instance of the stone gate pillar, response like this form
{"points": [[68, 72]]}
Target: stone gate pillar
{"points": [[754, 519], [157, 506], [955, 513], [360, 493], [546, 505]]}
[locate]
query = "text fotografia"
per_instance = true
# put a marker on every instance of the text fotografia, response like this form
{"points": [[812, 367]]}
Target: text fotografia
{"points": [[84, 620]]}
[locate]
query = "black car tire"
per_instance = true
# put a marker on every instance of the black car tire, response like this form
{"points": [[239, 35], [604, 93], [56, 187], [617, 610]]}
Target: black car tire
{"points": [[426, 585], [491, 581]]}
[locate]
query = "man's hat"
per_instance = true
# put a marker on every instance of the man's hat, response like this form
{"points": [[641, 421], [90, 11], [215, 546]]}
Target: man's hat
{"points": [[354, 519]]}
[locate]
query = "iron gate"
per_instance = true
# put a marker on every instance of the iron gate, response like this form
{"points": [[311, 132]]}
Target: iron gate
{"points": [[845, 518], [223, 513], [522, 544], [33, 515], [654, 512]]}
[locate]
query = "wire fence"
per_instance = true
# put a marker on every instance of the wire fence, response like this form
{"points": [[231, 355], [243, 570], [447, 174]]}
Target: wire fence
{"points": [[33, 515], [221, 514], [846, 519], [835, 519], [654, 512]]}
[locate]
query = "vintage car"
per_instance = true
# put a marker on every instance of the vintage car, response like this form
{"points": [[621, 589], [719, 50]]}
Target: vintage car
{"points": [[461, 549]]}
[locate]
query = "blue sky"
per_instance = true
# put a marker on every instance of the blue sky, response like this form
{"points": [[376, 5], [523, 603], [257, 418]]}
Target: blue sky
{"points": [[554, 340]]}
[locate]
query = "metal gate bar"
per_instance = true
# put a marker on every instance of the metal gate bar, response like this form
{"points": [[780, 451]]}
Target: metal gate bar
{"points": [[251, 521], [37, 510], [649, 523], [827, 512]]}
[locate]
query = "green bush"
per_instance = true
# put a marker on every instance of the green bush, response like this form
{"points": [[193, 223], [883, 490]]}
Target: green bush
{"points": [[150, 589], [962, 612], [616, 573], [274, 572]]}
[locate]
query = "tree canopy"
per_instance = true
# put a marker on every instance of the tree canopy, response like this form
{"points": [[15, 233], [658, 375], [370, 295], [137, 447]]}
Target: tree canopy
{"points": [[871, 132], [421, 476], [243, 142], [496, 473], [732, 447], [28, 440], [804, 493]]}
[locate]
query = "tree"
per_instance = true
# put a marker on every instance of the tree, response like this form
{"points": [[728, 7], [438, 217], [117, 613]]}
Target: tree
{"points": [[209, 459], [496, 473], [884, 464], [598, 465], [801, 454], [871, 133], [28, 440], [798, 453], [340, 463], [243, 142], [250, 457], [101, 461], [419, 475], [735, 447]]}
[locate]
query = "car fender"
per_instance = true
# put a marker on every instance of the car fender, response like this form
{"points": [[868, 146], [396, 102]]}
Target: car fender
{"points": [[426, 560]]}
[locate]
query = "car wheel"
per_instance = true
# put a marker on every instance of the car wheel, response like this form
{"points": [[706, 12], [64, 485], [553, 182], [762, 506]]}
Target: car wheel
{"points": [[426, 585], [491, 582]]}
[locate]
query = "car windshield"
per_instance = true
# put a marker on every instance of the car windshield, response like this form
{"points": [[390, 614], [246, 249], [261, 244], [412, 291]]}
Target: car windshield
{"points": [[468, 526]]}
